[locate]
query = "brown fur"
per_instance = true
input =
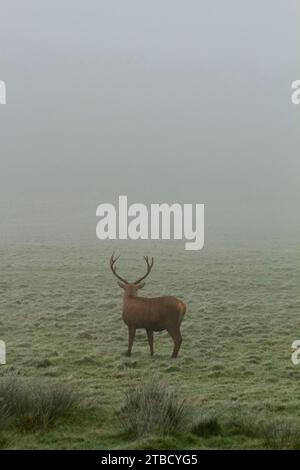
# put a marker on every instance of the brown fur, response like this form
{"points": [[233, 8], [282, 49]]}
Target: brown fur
{"points": [[152, 314]]}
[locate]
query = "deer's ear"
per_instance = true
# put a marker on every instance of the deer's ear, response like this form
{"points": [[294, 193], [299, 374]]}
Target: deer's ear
{"points": [[121, 285], [141, 285]]}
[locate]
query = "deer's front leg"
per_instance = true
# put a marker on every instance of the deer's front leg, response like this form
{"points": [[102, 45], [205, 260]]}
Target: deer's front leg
{"points": [[131, 335]]}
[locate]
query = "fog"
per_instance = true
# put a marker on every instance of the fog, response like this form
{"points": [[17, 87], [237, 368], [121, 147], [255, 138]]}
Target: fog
{"points": [[162, 101]]}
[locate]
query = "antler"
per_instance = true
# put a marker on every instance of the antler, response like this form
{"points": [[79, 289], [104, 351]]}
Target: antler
{"points": [[112, 262], [149, 267]]}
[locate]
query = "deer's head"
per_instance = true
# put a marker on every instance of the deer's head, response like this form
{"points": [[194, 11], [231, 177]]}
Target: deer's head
{"points": [[130, 288]]}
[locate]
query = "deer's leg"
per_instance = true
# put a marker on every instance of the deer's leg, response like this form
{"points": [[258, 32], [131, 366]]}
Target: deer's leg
{"points": [[177, 338], [131, 335], [150, 340]]}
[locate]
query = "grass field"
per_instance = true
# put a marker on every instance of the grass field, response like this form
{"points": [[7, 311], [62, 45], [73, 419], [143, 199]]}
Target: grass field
{"points": [[60, 316]]}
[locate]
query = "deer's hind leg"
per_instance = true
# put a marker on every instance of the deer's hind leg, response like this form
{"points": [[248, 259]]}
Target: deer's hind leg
{"points": [[150, 341], [177, 338], [131, 335]]}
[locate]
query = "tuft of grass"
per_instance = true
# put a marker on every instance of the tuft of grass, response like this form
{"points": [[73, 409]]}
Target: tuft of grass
{"points": [[281, 434], [43, 363], [243, 422], [206, 426], [34, 405], [4, 417], [152, 409], [276, 433]]}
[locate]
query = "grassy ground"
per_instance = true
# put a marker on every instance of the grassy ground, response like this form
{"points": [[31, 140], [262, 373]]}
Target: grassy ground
{"points": [[60, 316]]}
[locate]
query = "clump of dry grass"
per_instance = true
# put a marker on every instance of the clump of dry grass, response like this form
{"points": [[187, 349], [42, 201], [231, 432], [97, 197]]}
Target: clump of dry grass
{"points": [[244, 422], [152, 408], [33, 404], [206, 426], [281, 434], [4, 417], [276, 433]]}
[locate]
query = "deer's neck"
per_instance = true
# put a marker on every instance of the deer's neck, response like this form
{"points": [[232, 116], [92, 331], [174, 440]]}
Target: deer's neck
{"points": [[127, 298]]}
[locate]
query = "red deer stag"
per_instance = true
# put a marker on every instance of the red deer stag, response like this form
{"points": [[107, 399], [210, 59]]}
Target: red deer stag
{"points": [[153, 314]]}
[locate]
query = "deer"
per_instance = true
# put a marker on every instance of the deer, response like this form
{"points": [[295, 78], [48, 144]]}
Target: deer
{"points": [[151, 314]]}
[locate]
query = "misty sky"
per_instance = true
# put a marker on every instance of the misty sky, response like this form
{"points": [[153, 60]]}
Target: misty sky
{"points": [[161, 100]]}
